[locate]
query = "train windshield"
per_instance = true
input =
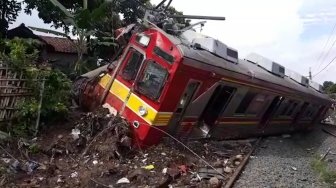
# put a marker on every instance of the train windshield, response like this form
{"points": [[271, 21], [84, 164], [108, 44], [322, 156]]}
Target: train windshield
{"points": [[152, 80], [133, 63]]}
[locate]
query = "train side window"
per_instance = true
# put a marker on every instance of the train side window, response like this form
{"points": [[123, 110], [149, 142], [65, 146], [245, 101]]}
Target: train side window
{"points": [[244, 104], [287, 106], [309, 111], [292, 109], [256, 105], [132, 65]]}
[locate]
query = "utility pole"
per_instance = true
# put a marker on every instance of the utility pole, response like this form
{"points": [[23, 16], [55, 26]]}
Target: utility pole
{"points": [[310, 74]]}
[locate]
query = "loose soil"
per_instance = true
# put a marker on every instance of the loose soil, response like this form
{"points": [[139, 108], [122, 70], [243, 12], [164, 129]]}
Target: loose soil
{"points": [[102, 154]]}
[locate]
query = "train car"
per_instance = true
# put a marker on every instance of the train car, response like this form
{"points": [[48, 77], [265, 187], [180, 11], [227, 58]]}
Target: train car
{"points": [[191, 85]]}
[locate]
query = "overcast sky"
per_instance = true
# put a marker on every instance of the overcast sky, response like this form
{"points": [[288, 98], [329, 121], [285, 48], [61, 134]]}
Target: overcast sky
{"points": [[290, 32]]}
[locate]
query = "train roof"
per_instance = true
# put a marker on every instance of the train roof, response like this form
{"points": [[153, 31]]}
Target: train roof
{"points": [[242, 67]]}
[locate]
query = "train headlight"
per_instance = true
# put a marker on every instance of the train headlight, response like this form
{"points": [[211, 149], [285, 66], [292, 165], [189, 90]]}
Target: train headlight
{"points": [[143, 39], [142, 111]]}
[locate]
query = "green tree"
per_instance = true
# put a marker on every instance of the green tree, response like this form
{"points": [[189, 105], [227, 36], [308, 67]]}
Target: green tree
{"points": [[9, 10], [327, 84], [50, 14]]}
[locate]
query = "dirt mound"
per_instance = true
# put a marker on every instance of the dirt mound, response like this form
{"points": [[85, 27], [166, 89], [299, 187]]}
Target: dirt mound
{"points": [[96, 151]]}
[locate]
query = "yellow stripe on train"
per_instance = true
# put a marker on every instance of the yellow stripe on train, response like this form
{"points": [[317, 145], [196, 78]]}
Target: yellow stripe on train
{"points": [[134, 102]]}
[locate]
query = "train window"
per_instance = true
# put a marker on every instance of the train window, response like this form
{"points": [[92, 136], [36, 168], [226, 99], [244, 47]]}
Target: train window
{"points": [[244, 104], [292, 109], [256, 105], [158, 51], [152, 80], [286, 108], [310, 111], [132, 66]]}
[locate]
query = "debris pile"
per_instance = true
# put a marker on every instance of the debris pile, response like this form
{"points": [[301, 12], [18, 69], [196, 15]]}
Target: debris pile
{"points": [[97, 151]]}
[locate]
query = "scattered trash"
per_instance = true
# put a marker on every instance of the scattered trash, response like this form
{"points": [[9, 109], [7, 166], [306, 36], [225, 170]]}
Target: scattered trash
{"points": [[89, 150], [149, 167], [173, 173], [237, 163], [239, 157], [183, 169], [286, 136], [294, 168], [138, 174], [6, 160], [309, 149], [30, 166], [74, 175], [42, 167], [15, 166], [214, 182], [60, 179], [126, 141], [228, 170], [123, 180], [75, 133], [207, 173], [218, 163]]}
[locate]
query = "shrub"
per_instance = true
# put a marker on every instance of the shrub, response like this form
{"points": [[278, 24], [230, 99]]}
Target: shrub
{"points": [[21, 55]]}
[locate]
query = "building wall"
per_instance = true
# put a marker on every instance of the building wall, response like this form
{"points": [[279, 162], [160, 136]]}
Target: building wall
{"points": [[62, 61]]}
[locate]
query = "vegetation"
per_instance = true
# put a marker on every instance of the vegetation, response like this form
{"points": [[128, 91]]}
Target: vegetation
{"points": [[329, 87], [8, 12], [321, 167], [21, 55], [98, 18], [92, 21]]}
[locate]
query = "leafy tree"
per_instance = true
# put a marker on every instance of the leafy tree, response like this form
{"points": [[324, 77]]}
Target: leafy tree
{"points": [[327, 84], [332, 89], [9, 10], [51, 14]]}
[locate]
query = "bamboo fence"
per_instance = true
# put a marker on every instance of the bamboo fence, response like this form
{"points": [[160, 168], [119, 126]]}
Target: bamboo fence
{"points": [[12, 90]]}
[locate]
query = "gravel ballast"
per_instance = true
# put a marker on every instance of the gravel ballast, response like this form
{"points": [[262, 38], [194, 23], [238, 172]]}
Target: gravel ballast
{"points": [[286, 162]]}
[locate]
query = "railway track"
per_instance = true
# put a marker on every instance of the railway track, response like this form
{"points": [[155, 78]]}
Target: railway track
{"points": [[242, 165]]}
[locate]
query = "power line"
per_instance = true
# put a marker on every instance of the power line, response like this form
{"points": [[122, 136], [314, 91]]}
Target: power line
{"points": [[326, 55], [325, 66], [325, 45]]}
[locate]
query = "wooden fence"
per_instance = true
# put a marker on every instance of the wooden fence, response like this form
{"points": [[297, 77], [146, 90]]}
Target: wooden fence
{"points": [[12, 90]]}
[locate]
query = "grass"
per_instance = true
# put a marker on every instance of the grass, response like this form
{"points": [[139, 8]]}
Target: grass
{"points": [[321, 167]]}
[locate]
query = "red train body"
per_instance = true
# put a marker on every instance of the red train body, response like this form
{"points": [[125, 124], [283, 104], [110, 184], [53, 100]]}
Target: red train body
{"points": [[160, 81]]}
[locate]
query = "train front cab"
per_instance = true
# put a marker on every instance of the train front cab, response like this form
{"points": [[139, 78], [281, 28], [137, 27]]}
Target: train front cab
{"points": [[139, 89]]}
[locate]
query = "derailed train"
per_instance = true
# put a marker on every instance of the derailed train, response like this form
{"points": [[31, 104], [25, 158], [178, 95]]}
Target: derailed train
{"points": [[191, 85]]}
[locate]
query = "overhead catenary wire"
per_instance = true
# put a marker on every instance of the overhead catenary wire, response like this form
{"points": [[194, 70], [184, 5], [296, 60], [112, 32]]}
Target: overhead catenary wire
{"points": [[325, 45], [325, 66], [326, 55]]}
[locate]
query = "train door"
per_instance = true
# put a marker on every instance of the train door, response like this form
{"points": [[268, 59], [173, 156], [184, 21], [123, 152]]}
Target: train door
{"points": [[216, 105], [271, 111], [185, 100]]}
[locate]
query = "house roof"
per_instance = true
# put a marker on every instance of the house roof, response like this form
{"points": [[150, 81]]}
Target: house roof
{"points": [[62, 45]]}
